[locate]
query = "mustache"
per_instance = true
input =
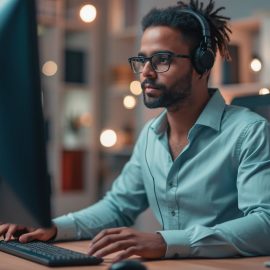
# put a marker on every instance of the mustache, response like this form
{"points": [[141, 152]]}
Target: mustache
{"points": [[151, 83]]}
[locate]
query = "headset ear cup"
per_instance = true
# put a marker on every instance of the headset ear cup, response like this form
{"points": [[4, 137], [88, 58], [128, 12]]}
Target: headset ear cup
{"points": [[196, 61], [203, 59]]}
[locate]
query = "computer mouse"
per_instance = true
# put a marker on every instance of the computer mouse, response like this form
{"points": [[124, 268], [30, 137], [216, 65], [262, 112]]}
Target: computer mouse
{"points": [[128, 265]]}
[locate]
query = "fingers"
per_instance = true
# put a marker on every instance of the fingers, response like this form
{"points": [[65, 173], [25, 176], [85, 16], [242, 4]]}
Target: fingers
{"points": [[125, 254], [114, 240], [25, 234], [113, 247], [104, 240], [3, 229], [9, 230], [128, 242], [106, 232], [28, 237], [18, 232], [107, 237], [38, 234]]}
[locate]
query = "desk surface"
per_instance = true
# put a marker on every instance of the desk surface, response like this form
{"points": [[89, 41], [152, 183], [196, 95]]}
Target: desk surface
{"points": [[9, 262]]}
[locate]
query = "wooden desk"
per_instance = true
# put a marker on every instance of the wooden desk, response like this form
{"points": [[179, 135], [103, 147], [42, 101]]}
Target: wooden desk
{"points": [[9, 262]]}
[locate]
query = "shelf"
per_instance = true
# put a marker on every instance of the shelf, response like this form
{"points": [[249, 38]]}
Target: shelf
{"points": [[99, 97], [250, 37]]}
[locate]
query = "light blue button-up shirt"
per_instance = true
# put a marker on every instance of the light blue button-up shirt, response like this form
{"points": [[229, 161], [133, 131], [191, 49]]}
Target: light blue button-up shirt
{"points": [[213, 200]]}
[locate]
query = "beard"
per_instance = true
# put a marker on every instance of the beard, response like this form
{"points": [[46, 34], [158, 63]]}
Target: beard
{"points": [[169, 96]]}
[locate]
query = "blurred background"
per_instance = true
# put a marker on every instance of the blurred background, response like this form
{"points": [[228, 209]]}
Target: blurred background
{"points": [[92, 101]]}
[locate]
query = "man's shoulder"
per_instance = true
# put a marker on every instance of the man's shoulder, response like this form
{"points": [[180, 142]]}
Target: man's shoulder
{"points": [[241, 116]]}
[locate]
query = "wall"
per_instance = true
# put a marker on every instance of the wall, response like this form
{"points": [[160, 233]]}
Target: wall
{"points": [[235, 9]]}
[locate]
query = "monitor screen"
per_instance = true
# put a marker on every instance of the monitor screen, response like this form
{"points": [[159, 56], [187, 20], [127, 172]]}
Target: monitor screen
{"points": [[257, 103], [24, 181]]}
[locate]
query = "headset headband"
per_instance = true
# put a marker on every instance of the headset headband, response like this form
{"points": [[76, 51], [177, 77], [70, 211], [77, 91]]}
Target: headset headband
{"points": [[204, 25]]}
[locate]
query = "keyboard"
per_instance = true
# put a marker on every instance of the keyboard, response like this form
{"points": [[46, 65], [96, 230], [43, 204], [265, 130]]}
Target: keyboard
{"points": [[48, 254]]}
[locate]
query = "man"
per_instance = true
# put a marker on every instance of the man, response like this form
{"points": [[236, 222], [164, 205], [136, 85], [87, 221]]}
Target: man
{"points": [[202, 166]]}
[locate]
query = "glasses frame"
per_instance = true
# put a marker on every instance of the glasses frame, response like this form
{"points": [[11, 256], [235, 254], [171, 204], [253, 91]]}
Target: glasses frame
{"points": [[146, 59]]}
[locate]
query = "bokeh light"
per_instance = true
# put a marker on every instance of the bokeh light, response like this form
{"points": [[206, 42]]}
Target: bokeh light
{"points": [[129, 102], [264, 91], [108, 138], [135, 88], [49, 68], [88, 13], [256, 65]]}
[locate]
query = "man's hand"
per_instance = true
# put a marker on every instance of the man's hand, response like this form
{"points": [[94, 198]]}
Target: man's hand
{"points": [[26, 234], [129, 242]]}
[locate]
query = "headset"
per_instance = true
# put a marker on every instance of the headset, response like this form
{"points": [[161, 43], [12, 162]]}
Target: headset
{"points": [[203, 57]]}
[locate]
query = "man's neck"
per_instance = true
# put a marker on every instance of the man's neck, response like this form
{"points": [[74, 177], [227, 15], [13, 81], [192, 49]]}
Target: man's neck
{"points": [[182, 118]]}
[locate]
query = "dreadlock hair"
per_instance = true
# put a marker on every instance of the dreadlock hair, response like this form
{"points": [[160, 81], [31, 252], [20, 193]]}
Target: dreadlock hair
{"points": [[189, 26]]}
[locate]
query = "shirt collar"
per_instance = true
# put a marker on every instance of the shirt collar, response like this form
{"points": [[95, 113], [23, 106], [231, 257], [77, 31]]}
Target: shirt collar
{"points": [[160, 123], [210, 116], [213, 111]]}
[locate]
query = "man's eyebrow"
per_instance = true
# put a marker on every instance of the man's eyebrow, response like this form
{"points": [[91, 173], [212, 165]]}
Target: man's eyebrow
{"points": [[160, 51], [141, 54]]}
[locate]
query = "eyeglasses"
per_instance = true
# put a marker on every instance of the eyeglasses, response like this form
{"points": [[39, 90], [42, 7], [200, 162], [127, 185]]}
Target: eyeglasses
{"points": [[160, 61]]}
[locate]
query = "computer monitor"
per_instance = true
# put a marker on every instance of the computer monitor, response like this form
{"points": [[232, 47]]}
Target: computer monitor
{"points": [[257, 103], [24, 181]]}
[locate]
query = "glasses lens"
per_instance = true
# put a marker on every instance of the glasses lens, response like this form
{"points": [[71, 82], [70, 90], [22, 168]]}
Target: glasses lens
{"points": [[161, 62], [137, 64]]}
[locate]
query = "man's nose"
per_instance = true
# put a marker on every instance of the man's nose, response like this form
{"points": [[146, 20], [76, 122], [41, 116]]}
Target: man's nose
{"points": [[148, 70]]}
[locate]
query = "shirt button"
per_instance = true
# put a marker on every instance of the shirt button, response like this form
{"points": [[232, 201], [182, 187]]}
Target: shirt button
{"points": [[173, 213]]}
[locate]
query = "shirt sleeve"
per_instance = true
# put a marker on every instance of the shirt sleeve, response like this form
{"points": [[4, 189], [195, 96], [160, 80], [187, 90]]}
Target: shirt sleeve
{"points": [[120, 207], [245, 236]]}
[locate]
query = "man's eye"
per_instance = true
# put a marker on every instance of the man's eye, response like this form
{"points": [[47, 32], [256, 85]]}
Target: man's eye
{"points": [[162, 59]]}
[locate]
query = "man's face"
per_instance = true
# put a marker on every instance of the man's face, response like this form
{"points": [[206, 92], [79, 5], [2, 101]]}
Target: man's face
{"points": [[173, 87]]}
